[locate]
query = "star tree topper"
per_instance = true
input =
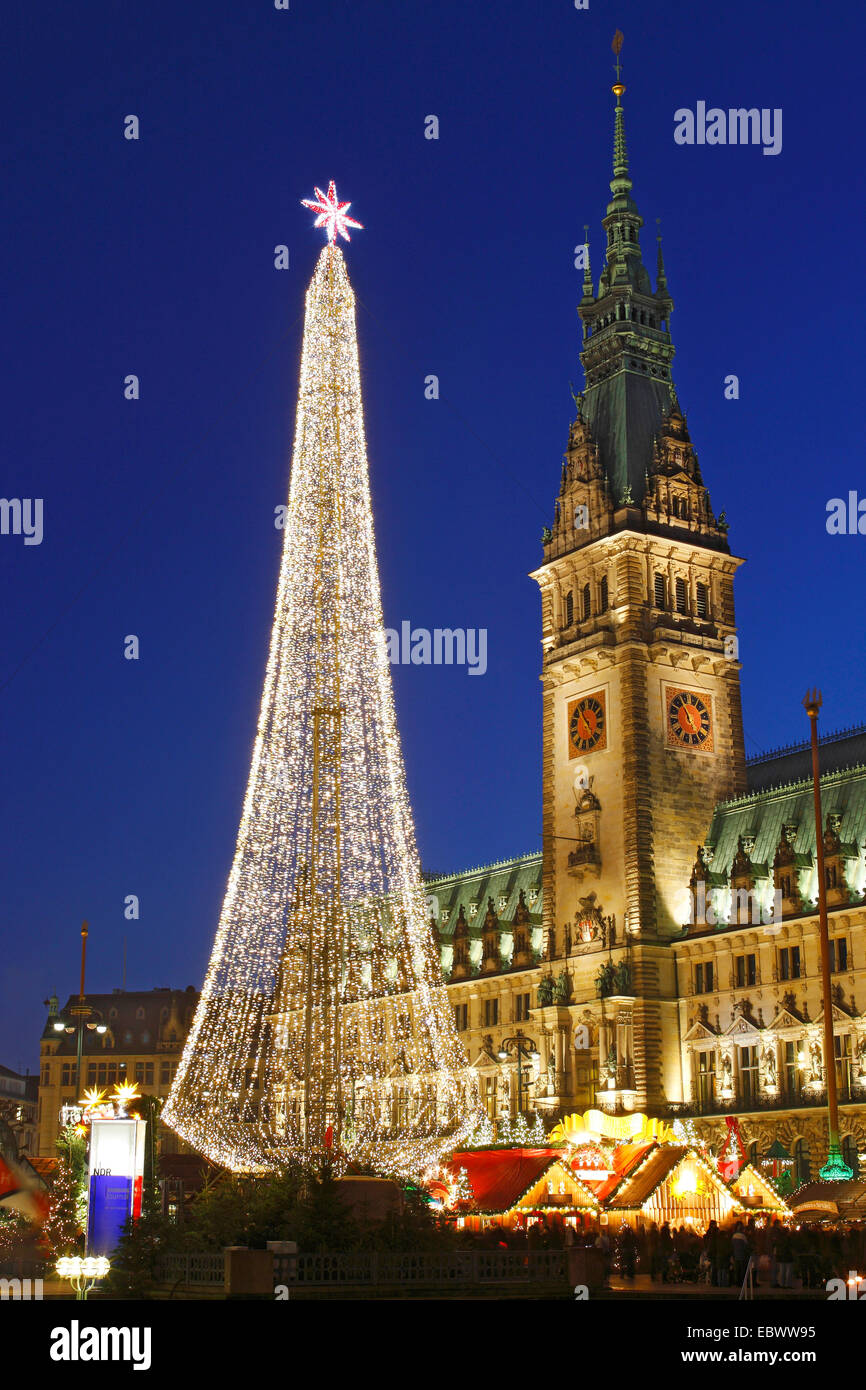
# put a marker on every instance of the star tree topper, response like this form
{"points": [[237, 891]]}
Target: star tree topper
{"points": [[332, 214]]}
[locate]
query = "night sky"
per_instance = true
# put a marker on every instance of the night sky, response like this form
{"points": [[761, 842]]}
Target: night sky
{"points": [[156, 257]]}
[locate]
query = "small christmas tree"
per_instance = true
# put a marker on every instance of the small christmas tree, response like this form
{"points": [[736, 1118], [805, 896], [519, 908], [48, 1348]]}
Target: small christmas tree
{"points": [[538, 1134], [461, 1190], [67, 1204], [483, 1136], [520, 1130]]}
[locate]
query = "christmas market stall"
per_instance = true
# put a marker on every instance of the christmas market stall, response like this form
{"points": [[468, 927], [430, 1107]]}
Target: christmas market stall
{"points": [[756, 1192], [519, 1188], [674, 1183], [838, 1202]]}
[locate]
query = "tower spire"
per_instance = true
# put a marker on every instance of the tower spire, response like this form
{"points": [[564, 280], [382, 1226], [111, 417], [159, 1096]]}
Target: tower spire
{"points": [[627, 349], [661, 278], [620, 153]]}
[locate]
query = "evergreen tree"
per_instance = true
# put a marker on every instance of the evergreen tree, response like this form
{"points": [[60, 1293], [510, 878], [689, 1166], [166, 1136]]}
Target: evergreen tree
{"points": [[63, 1231]]}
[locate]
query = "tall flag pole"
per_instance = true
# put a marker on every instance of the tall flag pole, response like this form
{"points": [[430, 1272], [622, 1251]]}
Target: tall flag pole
{"points": [[324, 1028]]}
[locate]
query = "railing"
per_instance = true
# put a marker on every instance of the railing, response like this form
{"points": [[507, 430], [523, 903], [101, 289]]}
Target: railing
{"points": [[23, 1269], [747, 1290], [741, 1106], [372, 1269], [199, 1268]]}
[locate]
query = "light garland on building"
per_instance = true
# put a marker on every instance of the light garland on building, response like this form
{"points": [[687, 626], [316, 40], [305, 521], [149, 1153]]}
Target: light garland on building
{"points": [[324, 1024]]}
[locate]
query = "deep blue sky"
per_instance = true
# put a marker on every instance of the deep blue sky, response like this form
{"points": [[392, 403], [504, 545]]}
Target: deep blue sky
{"points": [[156, 257]]}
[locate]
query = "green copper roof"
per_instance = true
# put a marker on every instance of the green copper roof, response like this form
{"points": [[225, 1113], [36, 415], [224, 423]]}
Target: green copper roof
{"points": [[625, 414], [627, 348], [501, 881], [762, 814]]}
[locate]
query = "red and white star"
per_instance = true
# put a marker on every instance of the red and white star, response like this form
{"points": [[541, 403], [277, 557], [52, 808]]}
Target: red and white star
{"points": [[332, 214]]}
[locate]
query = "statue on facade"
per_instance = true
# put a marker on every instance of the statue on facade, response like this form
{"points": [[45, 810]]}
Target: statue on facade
{"points": [[551, 1076], [611, 1063], [817, 1067], [562, 988], [727, 1076], [770, 1068], [505, 1099], [622, 978], [545, 991], [604, 980]]}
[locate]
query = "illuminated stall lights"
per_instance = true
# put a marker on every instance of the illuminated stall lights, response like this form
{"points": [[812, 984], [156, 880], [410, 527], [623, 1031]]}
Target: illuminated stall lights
{"points": [[674, 1184]]}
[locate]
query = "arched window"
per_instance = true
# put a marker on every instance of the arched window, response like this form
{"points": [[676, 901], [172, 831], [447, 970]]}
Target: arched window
{"points": [[569, 609], [802, 1162], [850, 1154], [602, 596], [681, 596], [587, 602], [702, 601], [659, 593]]}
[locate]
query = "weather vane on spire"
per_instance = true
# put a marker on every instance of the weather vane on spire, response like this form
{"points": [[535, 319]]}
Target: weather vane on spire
{"points": [[332, 214], [616, 45]]}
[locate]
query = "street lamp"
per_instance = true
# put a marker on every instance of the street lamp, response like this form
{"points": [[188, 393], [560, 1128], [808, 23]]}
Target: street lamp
{"points": [[835, 1169], [83, 1271], [521, 1047], [84, 1014]]}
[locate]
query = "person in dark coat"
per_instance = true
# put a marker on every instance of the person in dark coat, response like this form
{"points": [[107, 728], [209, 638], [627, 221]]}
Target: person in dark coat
{"points": [[741, 1252], [627, 1252]]}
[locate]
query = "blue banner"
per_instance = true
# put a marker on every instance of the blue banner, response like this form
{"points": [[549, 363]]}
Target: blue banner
{"points": [[110, 1207]]}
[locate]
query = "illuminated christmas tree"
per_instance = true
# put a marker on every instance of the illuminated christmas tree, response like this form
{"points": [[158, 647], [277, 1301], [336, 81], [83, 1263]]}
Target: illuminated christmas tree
{"points": [[323, 1025], [63, 1230]]}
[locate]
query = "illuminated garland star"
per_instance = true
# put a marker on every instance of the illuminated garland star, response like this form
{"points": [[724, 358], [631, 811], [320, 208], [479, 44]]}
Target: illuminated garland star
{"points": [[332, 214]]}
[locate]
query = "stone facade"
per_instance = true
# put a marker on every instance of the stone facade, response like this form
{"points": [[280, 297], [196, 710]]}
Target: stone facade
{"points": [[143, 1037]]}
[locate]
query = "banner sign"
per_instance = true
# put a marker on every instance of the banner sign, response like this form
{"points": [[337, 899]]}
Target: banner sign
{"points": [[116, 1174]]}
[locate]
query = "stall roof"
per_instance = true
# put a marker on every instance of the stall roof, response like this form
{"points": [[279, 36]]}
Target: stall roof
{"points": [[500, 1177], [847, 1200], [660, 1162]]}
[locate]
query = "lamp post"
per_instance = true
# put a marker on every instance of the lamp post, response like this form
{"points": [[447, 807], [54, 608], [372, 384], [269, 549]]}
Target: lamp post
{"points": [[521, 1047], [83, 1014], [79, 1010], [83, 1271], [835, 1169]]}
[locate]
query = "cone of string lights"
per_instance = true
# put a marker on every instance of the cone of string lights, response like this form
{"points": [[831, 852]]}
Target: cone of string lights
{"points": [[323, 1028]]}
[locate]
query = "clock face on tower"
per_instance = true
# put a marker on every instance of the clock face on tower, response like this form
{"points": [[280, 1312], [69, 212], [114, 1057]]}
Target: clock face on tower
{"points": [[689, 719], [587, 724]]}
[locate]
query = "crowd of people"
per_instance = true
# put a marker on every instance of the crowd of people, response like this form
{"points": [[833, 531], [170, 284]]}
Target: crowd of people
{"points": [[780, 1257]]}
